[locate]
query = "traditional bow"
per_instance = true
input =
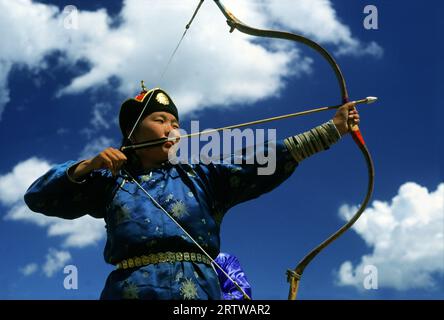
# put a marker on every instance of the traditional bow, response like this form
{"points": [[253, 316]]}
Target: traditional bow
{"points": [[294, 276]]}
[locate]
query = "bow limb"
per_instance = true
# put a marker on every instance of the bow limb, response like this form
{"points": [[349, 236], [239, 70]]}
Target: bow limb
{"points": [[234, 23]]}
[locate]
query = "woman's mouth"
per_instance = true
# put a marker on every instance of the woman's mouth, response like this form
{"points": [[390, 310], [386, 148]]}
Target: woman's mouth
{"points": [[168, 144]]}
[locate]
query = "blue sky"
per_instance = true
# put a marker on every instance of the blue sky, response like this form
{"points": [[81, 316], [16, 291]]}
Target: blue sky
{"points": [[61, 89]]}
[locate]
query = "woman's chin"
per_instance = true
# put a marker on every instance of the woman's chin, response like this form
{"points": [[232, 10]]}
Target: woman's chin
{"points": [[164, 153]]}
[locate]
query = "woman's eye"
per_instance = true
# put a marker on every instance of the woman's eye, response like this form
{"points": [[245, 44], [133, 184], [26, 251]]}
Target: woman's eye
{"points": [[159, 120]]}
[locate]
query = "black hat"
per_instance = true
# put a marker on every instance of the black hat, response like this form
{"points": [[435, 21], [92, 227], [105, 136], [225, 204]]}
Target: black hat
{"points": [[157, 99]]}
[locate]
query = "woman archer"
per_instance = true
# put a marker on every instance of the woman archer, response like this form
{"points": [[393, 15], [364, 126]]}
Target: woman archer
{"points": [[154, 258]]}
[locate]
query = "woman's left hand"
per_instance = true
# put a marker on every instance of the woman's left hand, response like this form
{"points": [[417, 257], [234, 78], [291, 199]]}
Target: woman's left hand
{"points": [[346, 117]]}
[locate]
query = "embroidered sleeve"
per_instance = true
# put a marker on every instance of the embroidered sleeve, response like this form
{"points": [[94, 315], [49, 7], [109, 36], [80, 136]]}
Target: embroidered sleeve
{"points": [[57, 194], [254, 172]]}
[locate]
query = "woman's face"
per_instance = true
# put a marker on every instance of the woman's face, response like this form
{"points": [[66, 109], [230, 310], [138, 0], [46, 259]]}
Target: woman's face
{"points": [[154, 126]]}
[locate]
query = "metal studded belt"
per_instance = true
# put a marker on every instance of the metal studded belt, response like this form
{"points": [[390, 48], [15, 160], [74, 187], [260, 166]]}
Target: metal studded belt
{"points": [[161, 257]]}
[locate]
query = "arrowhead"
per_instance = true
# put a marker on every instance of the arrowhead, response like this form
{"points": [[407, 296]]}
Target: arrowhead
{"points": [[371, 99]]}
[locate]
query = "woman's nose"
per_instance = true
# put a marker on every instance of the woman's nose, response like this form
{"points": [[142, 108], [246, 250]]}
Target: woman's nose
{"points": [[170, 130]]}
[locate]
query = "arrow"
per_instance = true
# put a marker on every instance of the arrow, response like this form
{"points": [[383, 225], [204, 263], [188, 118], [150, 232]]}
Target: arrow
{"points": [[156, 142]]}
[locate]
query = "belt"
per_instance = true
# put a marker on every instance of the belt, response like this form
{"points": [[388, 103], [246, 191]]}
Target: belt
{"points": [[162, 257]]}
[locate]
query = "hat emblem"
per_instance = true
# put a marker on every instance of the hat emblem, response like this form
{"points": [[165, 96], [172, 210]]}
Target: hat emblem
{"points": [[162, 99]]}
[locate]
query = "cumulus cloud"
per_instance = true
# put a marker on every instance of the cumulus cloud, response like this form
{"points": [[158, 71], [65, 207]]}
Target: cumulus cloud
{"points": [[130, 47], [407, 238], [29, 38], [99, 119], [95, 146], [14, 184], [318, 20], [79, 233], [55, 261], [29, 269], [5, 67]]}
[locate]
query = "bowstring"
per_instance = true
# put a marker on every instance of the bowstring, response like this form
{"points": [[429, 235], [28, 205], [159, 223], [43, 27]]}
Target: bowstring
{"points": [[165, 69]]}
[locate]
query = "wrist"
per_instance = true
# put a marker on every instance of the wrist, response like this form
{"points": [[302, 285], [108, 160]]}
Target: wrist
{"points": [[340, 126], [87, 165], [78, 171]]}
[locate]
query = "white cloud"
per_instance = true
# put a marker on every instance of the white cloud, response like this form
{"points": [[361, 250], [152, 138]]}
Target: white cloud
{"points": [[99, 116], [62, 131], [29, 269], [96, 146], [407, 237], [29, 38], [78, 233], [212, 67], [21, 212], [14, 184], [5, 67], [319, 21], [55, 261]]}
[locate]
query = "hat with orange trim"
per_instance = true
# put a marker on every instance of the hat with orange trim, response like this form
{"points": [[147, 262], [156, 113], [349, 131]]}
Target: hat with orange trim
{"points": [[155, 100]]}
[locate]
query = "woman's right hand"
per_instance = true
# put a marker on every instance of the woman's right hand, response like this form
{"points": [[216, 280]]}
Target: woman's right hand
{"points": [[110, 158]]}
